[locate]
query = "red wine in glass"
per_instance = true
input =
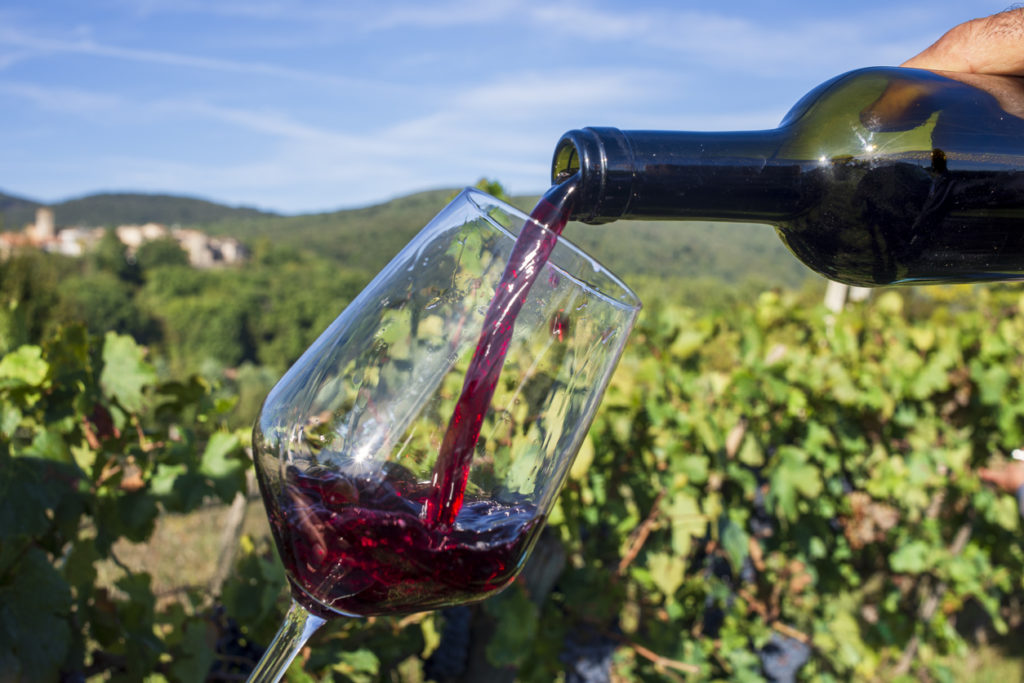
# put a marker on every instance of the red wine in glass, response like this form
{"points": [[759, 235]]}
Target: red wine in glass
{"points": [[359, 545], [382, 545]]}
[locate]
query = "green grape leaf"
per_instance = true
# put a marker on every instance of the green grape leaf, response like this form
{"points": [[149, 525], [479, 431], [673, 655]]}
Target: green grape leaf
{"points": [[216, 461], [79, 568], [140, 605], [188, 492], [132, 515], [182, 395], [135, 615], [695, 467], [125, 371], [521, 475], [227, 473], [10, 418], [992, 382], [793, 477], [689, 341], [251, 592], [297, 674], [736, 543], [68, 354], [35, 612], [24, 366], [162, 482], [1005, 513], [30, 490], [49, 445], [194, 655], [911, 558], [516, 628], [359, 666]]}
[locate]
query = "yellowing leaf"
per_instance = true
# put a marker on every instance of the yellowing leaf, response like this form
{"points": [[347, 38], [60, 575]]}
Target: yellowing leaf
{"points": [[923, 338], [24, 365], [667, 572], [687, 521], [584, 458]]}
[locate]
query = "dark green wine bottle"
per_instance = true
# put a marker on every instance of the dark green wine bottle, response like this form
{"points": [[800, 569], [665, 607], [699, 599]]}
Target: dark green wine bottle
{"points": [[879, 176]]}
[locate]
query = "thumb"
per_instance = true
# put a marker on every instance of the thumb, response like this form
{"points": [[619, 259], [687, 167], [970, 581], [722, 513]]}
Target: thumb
{"points": [[989, 45]]}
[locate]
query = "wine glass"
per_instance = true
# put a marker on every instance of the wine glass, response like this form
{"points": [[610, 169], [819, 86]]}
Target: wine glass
{"points": [[347, 443]]}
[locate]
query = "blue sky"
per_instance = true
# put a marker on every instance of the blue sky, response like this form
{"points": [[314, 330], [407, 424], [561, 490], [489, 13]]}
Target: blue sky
{"points": [[315, 105]]}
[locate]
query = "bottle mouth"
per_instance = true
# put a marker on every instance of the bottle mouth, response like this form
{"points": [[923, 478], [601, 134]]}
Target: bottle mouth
{"points": [[603, 159], [566, 161]]}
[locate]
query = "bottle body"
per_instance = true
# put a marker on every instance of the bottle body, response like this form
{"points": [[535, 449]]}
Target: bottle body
{"points": [[880, 176]]}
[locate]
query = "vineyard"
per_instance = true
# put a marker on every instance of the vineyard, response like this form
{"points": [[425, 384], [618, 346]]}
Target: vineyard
{"points": [[769, 490]]}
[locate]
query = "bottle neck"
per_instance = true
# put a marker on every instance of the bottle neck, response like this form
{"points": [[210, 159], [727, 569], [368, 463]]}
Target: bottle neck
{"points": [[731, 176]]}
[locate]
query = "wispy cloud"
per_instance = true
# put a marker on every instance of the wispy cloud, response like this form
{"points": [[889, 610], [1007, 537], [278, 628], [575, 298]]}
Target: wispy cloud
{"points": [[91, 48], [443, 14], [360, 17], [728, 39], [68, 100], [11, 57], [596, 24]]}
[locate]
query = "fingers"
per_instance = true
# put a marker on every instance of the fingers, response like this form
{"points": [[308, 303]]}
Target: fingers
{"points": [[1006, 476], [990, 476], [990, 45]]}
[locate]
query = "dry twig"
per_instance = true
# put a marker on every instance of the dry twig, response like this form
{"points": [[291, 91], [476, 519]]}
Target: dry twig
{"points": [[640, 534]]}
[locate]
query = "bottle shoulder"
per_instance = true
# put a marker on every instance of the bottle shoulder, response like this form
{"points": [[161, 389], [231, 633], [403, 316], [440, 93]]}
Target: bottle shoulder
{"points": [[893, 111]]}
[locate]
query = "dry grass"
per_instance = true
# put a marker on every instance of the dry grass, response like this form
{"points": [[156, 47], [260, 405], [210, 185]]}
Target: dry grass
{"points": [[996, 663], [183, 551]]}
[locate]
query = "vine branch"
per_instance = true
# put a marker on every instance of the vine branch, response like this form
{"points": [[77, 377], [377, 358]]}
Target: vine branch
{"points": [[639, 536]]}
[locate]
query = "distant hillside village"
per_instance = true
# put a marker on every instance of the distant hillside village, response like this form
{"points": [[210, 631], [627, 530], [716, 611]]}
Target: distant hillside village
{"points": [[203, 250]]}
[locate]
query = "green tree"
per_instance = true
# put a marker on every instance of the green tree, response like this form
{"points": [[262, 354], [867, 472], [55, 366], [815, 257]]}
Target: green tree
{"points": [[203, 329], [111, 255], [160, 252], [493, 188], [104, 303], [29, 282]]}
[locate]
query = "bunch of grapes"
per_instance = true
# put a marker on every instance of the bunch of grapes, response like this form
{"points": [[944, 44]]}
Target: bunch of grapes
{"points": [[449, 660], [588, 657], [236, 653], [782, 657]]}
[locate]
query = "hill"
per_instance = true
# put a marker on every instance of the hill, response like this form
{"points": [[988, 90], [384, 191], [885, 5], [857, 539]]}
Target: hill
{"points": [[727, 252], [15, 212], [730, 253], [366, 238], [123, 208]]}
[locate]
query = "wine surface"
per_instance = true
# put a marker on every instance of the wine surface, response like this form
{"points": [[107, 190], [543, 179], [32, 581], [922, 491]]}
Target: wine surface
{"points": [[359, 546], [529, 254]]}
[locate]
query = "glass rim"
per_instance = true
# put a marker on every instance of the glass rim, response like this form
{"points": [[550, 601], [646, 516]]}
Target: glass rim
{"points": [[628, 300]]}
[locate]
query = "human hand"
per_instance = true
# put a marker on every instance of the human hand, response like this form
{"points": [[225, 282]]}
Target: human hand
{"points": [[986, 53], [989, 45], [1008, 476]]}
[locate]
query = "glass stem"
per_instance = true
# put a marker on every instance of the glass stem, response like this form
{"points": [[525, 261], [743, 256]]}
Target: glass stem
{"points": [[298, 626]]}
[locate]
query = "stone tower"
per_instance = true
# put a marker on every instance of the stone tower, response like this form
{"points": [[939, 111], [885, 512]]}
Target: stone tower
{"points": [[45, 229]]}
